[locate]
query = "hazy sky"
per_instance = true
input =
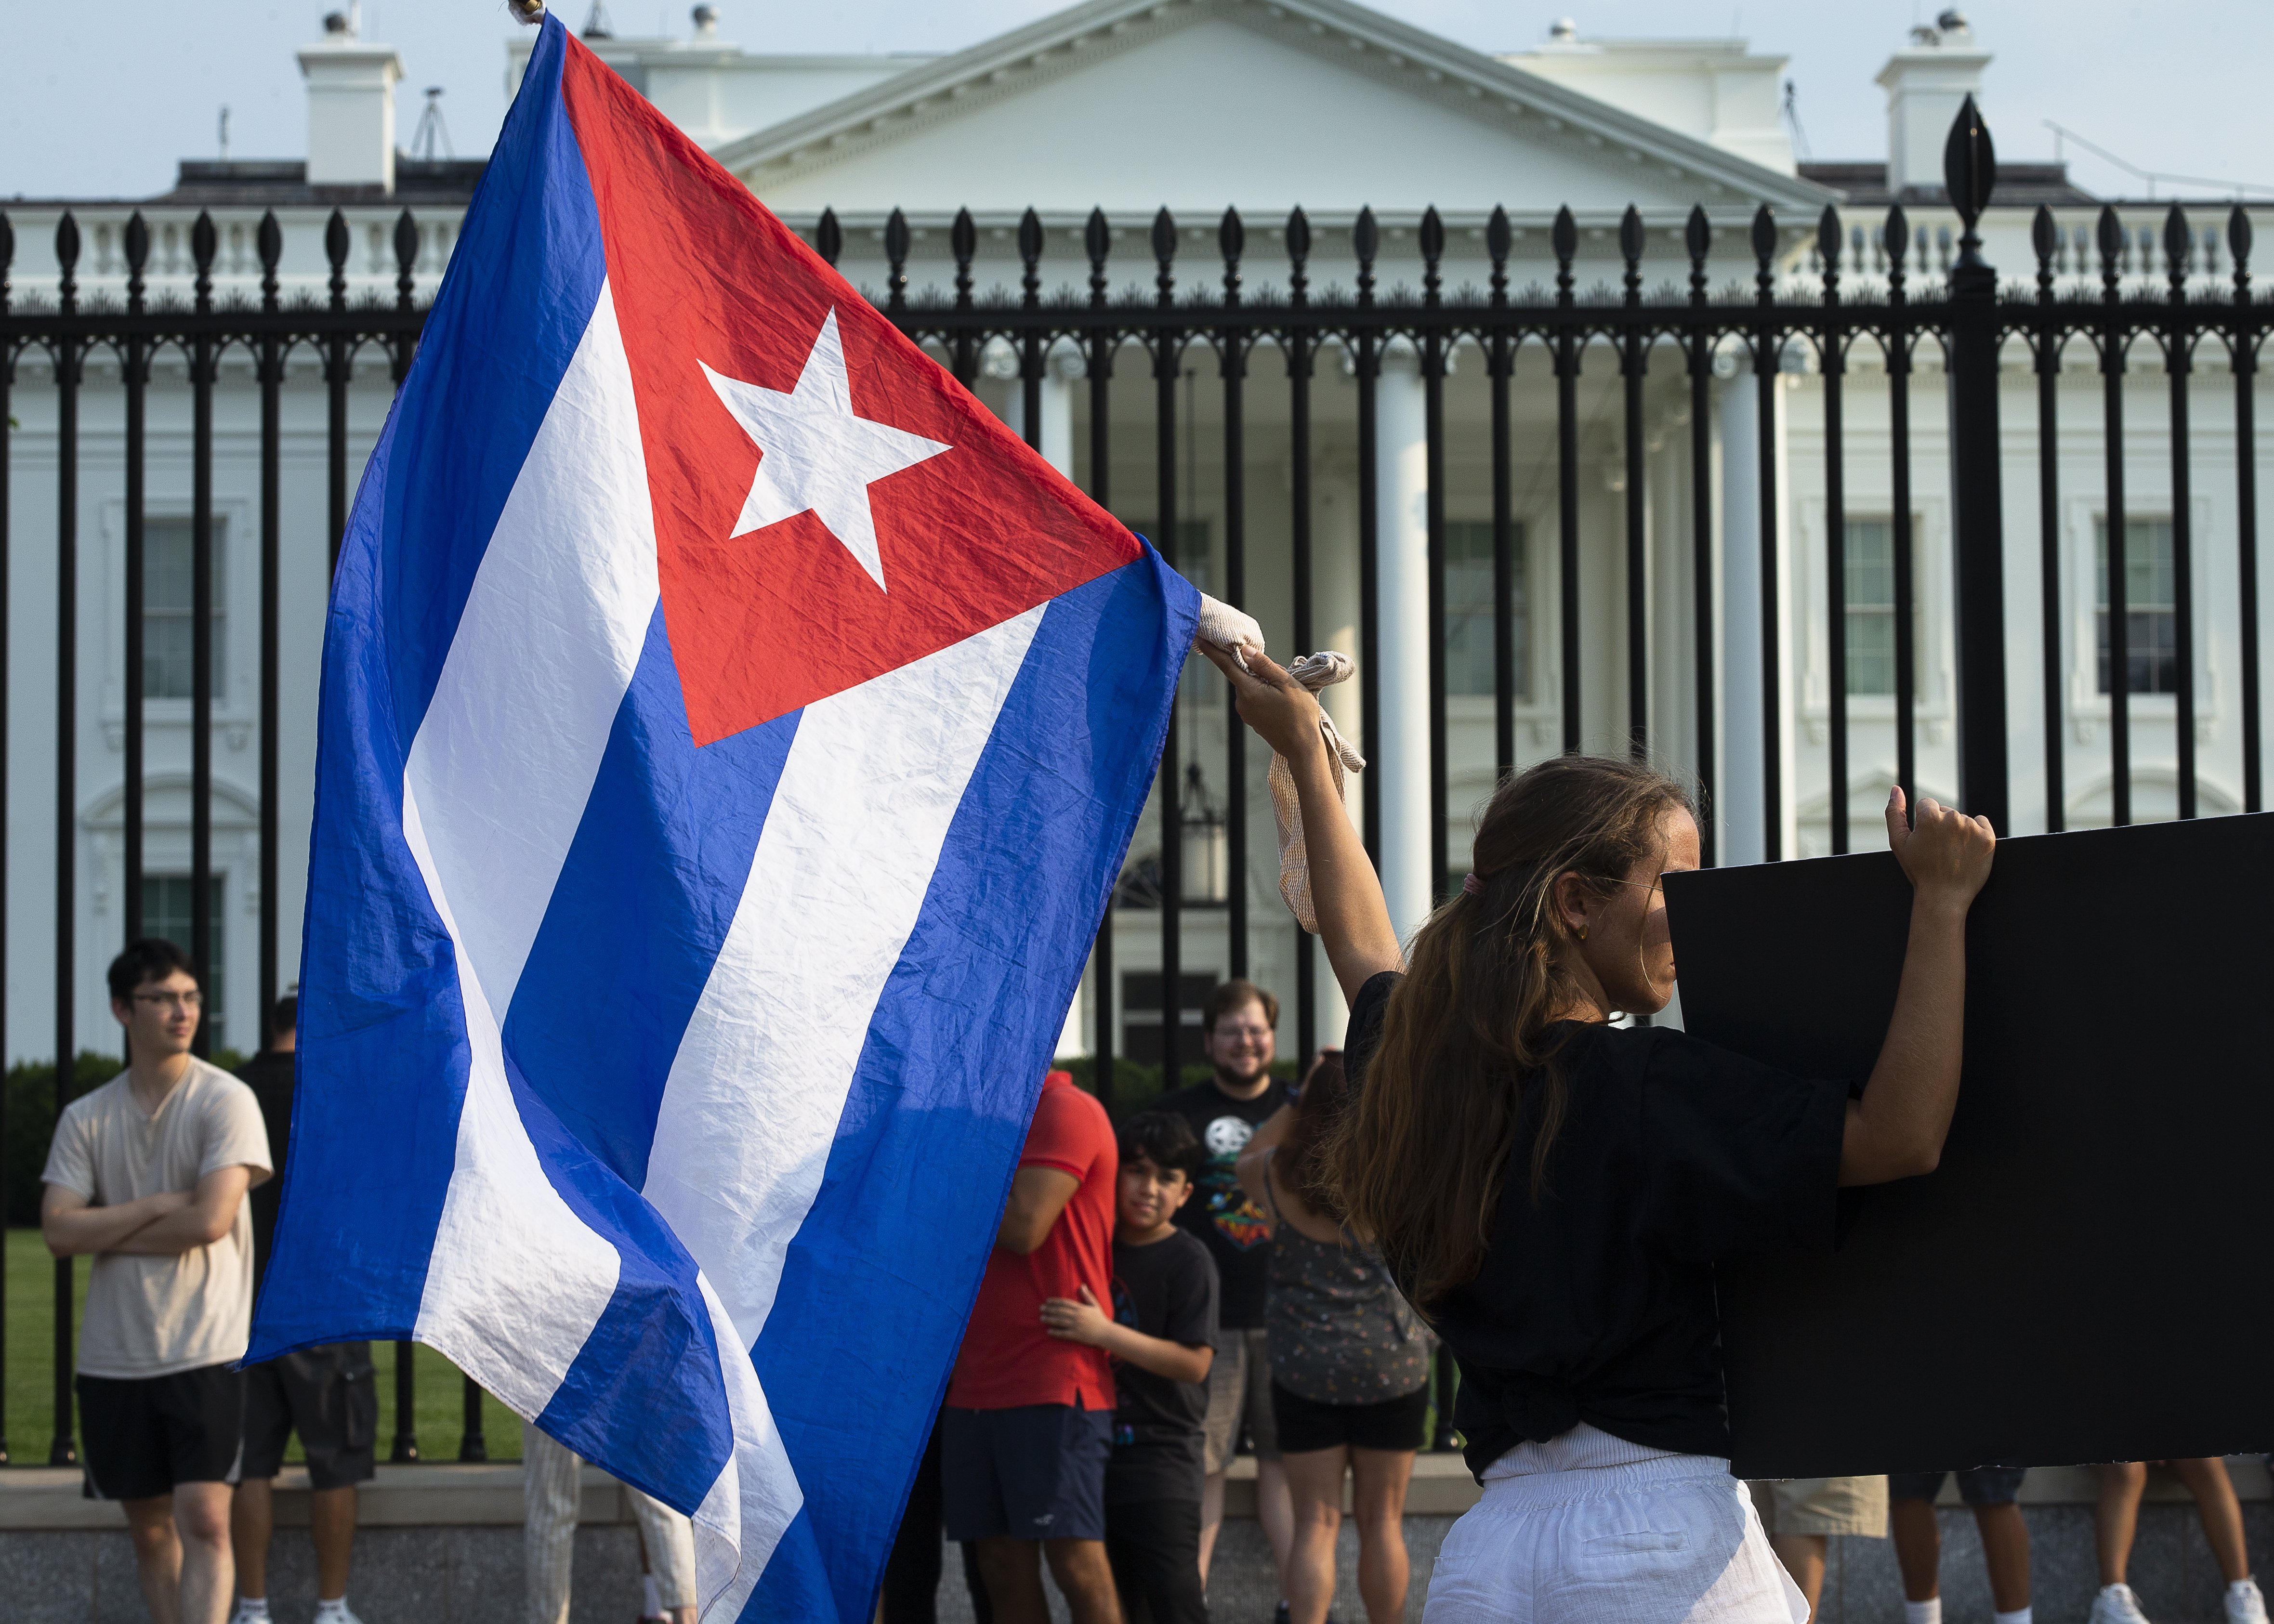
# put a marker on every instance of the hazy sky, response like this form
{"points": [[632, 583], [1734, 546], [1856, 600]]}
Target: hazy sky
{"points": [[101, 100]]}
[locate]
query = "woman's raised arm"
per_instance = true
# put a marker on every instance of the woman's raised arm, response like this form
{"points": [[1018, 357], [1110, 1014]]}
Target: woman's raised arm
{"points": [[1354, 919], [1896, 1130]]}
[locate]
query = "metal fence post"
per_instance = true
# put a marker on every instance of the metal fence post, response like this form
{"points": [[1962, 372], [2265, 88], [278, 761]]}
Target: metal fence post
{"points": [[1970, 167], [63, 1450], [406, 1406], [472, 1444]]}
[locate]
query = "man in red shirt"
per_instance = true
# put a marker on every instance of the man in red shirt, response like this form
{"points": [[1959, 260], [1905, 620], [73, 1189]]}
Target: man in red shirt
{"points": [[1029, 1427]]}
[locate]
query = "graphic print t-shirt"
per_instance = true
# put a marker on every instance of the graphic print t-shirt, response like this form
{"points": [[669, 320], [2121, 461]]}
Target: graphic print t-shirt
{"points": [[1166, 1289], [1233, 1226]]}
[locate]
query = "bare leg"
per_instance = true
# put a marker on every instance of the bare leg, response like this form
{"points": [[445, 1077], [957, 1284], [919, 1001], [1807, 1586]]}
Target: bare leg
{"points": [[1275, 1508], [1085, 1578], [208, 1571], [2221, 1513], [1918, 1547], [157, 1556], [1315, 1485], [1802, 1556], [252, 1519], [2116, 1518], [1014, 1581], [1212, 1519], [1379, 1477], [332, 1524], [2005, 1552]]}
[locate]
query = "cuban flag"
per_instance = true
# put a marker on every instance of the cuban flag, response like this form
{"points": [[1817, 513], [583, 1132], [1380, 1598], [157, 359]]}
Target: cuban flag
{"points": [[729, 734]]}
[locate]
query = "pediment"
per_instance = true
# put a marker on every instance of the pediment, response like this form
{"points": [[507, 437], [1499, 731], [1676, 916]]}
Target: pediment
{"points": [[1134, 104]]}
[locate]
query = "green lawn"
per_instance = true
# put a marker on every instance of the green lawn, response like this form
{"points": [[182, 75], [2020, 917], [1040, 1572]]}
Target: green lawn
{"points": [[30, 1419]]}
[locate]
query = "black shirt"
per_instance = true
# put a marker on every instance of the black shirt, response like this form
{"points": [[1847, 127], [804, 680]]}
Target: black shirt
{"points": [[1166, 1289], [1220, 1213], [1595, 1302], [269, 1075]]}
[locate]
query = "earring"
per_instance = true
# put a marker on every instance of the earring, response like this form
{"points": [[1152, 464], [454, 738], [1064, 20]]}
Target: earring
{"points": [[1583, 933]]}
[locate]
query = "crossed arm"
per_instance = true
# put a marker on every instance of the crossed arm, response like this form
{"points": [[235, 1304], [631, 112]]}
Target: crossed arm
{"points": [[163, 1225]]}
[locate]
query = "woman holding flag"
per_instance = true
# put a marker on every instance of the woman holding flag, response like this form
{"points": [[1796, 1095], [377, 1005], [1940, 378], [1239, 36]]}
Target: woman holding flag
{"points": [[1552, 1192]]}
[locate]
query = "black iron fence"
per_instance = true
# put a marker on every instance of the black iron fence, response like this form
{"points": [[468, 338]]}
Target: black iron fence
{"points": [[1963, 316]]}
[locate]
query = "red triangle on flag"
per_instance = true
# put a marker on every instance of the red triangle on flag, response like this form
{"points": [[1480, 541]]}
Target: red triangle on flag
{"points": [[738, 334]]}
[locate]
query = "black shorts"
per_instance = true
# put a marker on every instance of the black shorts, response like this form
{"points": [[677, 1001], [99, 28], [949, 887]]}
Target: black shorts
{"points": [[146, 1434], [1394, 1423], [328, 1396], [1034, 1472], [1982, 1485]]}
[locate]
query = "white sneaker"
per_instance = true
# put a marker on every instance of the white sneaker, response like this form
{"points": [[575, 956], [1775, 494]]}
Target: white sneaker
{"points": [[335, 1612], [2244, 1604], [2116, 1605]]}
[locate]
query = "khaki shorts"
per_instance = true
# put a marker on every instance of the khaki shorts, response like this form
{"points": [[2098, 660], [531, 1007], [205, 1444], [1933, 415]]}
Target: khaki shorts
{"points": [[1823, 1505], [1239, 1394]]}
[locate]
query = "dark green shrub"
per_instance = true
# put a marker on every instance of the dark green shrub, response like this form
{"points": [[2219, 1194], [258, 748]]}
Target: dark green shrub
{"points": [[30, 1123]]}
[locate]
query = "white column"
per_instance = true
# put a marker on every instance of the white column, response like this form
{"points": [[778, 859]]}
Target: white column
{"points": [[1401, 755], [1335, 620], [1747, 733], [1059, 370], [1739, 808]]}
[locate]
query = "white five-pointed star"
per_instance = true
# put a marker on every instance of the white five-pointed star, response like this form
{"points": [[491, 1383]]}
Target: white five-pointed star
{"points": [[815, 453]]}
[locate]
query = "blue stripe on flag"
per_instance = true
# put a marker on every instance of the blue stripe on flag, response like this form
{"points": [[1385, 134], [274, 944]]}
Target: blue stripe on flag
{"points": [[524, 277], [644, 1394], [382, 1033], [889, 1255], [667, 840]]}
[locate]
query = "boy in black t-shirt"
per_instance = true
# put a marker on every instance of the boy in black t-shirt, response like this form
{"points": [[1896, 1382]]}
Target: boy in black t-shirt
{"points": [[1162, 1338]]}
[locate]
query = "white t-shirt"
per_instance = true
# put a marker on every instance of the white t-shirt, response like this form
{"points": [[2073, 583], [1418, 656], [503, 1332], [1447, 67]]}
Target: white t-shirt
{"points": [[152, 1316]]}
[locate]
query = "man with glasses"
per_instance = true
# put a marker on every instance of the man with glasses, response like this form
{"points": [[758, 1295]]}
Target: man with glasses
{"points": [[148, 1175], [1239, 1026]]}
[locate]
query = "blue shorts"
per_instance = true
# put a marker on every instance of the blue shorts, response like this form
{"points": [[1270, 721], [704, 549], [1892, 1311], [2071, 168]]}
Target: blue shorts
{"points": [[1983, 1485], [1034, 1472]]}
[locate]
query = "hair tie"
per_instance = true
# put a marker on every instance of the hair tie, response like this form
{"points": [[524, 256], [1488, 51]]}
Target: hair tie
{"points": [[1472, 885]]}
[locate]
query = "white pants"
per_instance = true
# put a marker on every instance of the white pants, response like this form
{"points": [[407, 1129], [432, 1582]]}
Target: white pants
{"points": [[549, 1474], [1588, 1529]]}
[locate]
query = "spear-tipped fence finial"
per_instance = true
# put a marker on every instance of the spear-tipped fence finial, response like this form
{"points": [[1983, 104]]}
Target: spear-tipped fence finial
{"points": [[1969, 174]]}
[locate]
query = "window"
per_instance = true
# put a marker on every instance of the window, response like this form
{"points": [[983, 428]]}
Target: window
{"points": [[1469, 608], [2152, 646], [166, 913], [169, 669], [1140, 1017], [1869, 550], [1195, 560]]}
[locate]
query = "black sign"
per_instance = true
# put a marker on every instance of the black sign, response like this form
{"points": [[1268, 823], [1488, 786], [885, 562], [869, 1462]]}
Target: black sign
{"points": [[2087, 1276]]}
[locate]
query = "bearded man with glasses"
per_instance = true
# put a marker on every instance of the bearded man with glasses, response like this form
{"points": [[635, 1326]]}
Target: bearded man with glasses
{"points": [[148, 1174]]}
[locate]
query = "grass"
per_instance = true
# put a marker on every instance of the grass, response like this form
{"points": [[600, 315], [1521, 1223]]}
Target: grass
{"points": [[30, 1417]]}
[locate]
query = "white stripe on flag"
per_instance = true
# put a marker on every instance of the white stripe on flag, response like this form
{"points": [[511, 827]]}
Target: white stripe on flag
{"points": [[517, 1281], [872, 781], [507, 751], [756, 1497], [496, 786]]}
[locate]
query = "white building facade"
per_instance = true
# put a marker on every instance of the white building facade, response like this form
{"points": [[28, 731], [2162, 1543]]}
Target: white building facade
{"points": [[1130, 107]]}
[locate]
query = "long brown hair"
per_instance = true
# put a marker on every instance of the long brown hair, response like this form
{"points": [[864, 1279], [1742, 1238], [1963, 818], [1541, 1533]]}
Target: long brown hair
{"points": [[1420, 1157], [1303, 1160]]}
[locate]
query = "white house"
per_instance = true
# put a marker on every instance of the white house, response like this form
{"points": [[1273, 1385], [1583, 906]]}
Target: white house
{"points": [[1131, 106]]}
